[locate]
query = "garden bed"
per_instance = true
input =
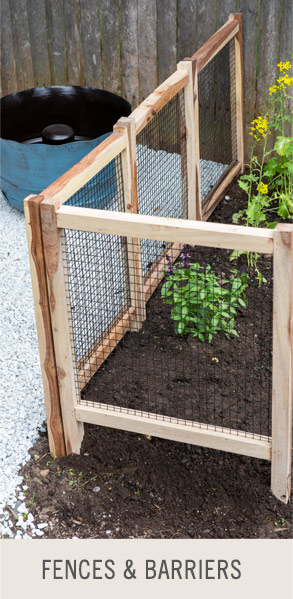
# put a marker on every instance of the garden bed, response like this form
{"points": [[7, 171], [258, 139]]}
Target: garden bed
{"points": [[125, 485]]}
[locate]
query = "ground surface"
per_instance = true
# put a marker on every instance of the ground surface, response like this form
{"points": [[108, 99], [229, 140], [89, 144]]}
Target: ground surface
{"points": [[125, 485]]}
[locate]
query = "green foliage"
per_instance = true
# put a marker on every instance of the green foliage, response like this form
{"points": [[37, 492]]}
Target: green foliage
{"points": [[202, 304]]}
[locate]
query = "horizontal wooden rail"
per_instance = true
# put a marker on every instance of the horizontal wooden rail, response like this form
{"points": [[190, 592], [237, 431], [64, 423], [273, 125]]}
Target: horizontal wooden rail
{"points": [[231, 237], [64, 187], [187, 432], [102, 348], [213, 45], [145, 112]]}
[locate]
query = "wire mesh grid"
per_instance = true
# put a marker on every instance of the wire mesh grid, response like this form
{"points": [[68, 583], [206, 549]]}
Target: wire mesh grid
{"points": [[162, 172], [190, 363], [217, 118]]}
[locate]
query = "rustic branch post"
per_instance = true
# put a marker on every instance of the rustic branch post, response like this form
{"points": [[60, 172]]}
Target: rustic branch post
{"points": [[282, 362], [126, 125], [43, 324], [52, 241]]}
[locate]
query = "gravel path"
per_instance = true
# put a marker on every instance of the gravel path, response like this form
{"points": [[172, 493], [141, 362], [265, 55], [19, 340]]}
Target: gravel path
{"points": [[22, 408]]}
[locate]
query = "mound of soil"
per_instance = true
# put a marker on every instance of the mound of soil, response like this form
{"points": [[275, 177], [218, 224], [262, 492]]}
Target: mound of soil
{"points": [[125, 485]]}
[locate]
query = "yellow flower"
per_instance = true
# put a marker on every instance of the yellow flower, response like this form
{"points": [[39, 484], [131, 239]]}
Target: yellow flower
{"points": [[273, 89], [259, 127], [263, 188], [284, 66]]}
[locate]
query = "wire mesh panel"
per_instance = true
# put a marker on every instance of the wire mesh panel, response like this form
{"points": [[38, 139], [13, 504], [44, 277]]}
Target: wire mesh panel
{"points": [[217, 118], [162, 172], [203, 354]]}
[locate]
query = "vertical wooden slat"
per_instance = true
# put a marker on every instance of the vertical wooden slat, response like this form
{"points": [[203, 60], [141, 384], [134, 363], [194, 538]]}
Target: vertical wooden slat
{"points": [[39, 42], [186, 35], [191, 116], [129, 52], [129, 170], [73, 43], [249, 10], [91, 43], [206, 21], [167, 51], [110, 46], [225, 8], [239, 90], [8, 69], [22, 44], [56, 41], [52, 238], [43, 324], [286, 46], [282, 362], [147, 47]]}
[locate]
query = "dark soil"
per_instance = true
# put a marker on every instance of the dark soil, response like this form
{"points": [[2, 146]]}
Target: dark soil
{"points": [[125, 485]]}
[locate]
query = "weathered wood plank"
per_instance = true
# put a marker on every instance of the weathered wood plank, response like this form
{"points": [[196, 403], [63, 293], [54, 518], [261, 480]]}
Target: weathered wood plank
{"points": [[91, 43], [74, 62], [173, 230], [282, 363], [8, 68], [206, 21], [286, 44], [225, 8], [193, 433], [43, 324], [187, 31], [147, 47], [110, 46], [56, 41], [129, 52], [249, 9], [55, 274], [39, 42], [167, 51], [22, 44]]}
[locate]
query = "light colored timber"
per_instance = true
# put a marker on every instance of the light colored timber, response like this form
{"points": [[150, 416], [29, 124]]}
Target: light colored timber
{"points": [[69, 183], [282, 363], [52, 237], [146, 111], [190, 137], [209, 207], [43, 324], [126, 125], [170, 229], [196, 435], [215, 44], [155, 277], [237, 17], [102, 348], [197, 154]]}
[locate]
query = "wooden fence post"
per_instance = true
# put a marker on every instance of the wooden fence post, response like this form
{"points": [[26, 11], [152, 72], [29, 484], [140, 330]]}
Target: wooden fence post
{"points": [[52, 238], [192, 133], [282, 362], [43, 324], [239, 89], [128, 156]]}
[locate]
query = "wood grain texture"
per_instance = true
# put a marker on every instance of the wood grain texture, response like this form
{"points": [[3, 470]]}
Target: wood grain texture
{"points": [[22, 44], [8, 67], [173, 230], [91, 43], [215, 44], [225, 8], [282, 363], [56, 41], [39, 42], [43, 324], [286, 44], [55, 274], [187, 17], [129, 52], [239, 90], [147, 47], [249, 10], [167, 33], [110, 46], [206, 21], [186, 432], [73, 44]]}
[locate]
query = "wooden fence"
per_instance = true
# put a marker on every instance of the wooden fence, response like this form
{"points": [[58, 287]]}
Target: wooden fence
{"points": [[131, 46], [49, 217]]}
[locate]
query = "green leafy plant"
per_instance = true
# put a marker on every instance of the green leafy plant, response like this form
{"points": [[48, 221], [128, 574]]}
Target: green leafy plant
{"points": [[202, 304]]}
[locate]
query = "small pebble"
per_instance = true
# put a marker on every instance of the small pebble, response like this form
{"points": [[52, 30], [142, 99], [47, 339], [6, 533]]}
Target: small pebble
{"points": [[96, 489]]}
